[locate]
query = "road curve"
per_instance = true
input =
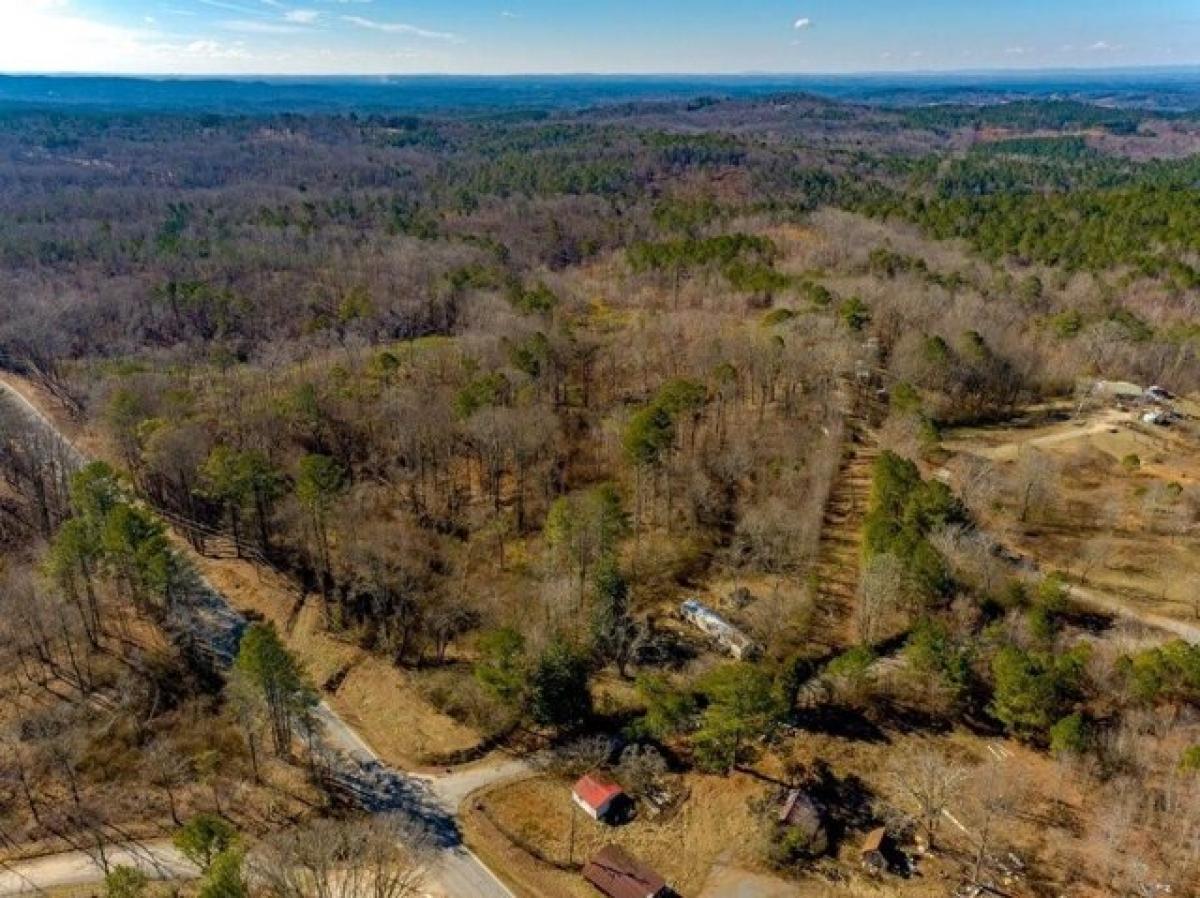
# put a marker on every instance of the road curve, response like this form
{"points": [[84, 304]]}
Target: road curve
{"points": [[456, 873]]}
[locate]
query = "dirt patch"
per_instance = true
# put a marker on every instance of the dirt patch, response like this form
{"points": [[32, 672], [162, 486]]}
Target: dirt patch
{"points": [[1122, 522], [732, 882]]}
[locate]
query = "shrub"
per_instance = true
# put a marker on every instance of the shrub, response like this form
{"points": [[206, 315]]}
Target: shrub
{"points": [[204, 837], [125, 882], [1190, 761], [558, 687], [1069, 736]]}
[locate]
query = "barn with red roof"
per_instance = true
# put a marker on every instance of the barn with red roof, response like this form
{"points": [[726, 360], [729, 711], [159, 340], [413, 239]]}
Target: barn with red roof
{"points": [[597, 795]]}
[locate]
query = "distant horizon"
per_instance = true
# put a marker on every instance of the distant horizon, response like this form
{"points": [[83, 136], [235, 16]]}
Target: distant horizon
{"points": [[873, 74]]}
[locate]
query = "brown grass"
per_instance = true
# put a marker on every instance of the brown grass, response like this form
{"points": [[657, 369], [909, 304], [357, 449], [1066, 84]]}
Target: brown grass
{"points": [[378, 699], [1147, 559], [715, 822]]}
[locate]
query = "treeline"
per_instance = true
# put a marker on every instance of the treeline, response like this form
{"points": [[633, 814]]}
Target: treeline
{"points": [[118, 718], [1029, 115]]}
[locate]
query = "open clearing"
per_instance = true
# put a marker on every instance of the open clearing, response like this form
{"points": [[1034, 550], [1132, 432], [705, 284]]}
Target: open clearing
{"points": [[538, 812], [1117, 527], [712, 846]]}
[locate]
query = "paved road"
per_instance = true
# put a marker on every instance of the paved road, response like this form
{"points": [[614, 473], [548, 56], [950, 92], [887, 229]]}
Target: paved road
{"points": [[457, 872]]}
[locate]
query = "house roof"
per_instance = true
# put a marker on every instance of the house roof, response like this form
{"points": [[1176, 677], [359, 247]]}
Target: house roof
{"points": [[596, 790], [874, 840], [619, 874], [799, 809], [1119, 388]]}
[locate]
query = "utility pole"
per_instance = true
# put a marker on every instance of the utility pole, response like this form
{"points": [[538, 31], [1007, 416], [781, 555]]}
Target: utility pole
{"points": [[571, 841]]}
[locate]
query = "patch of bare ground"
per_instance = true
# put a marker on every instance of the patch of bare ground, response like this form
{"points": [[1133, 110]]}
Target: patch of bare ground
{"points": [[1121, 520], [839, 554]]}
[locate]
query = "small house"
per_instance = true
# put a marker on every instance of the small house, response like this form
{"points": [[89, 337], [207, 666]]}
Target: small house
{"points": [[872, 852], [800, 814], [597, 795], [799, 810], [618, 874], [733, 640]]}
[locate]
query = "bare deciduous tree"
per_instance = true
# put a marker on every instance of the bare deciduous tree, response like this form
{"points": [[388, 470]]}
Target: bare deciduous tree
{"points": [[883, 589], [1034, 480], [992, 793], [929, 783], [365, 857]]}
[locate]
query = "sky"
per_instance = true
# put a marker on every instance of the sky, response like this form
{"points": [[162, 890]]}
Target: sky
{"points": [[558, 36]]}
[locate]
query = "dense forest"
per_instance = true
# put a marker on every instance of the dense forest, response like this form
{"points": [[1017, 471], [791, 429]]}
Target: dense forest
{"points": [[495, 391]]}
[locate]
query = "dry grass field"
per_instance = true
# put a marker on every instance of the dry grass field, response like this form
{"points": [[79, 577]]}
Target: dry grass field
{"points": [[714, 844], [1122, 491]]}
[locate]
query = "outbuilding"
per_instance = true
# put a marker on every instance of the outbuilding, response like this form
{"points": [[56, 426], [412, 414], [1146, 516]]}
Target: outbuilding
{"points": [[597, 795], [872, 851], [799, 809], [801, 815], [618, 874]]}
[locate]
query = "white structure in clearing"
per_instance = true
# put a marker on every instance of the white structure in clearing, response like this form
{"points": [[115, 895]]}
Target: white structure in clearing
{"points": [[733, 640]]}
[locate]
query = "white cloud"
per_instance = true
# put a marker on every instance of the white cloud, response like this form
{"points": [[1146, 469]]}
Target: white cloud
{"points": [[1102, 46], [52, 36], [399, 28], [215, 50], [1016, 51], [302, 16], [232, 7], [509, 14], [802, 24], [252, 26]]}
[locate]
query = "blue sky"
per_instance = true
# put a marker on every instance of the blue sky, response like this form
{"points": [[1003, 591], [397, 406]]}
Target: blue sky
{"points": [[511, 36]]}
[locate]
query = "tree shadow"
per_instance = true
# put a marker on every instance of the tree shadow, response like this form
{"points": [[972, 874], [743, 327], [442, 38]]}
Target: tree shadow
{"points": [[846, 723], [373, 787], [847, 802]]}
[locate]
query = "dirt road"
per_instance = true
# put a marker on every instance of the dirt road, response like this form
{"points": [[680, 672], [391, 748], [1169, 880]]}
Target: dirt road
{"points": [[1119, 607], [1039, 438], [1058, 434], [158, 859]]}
